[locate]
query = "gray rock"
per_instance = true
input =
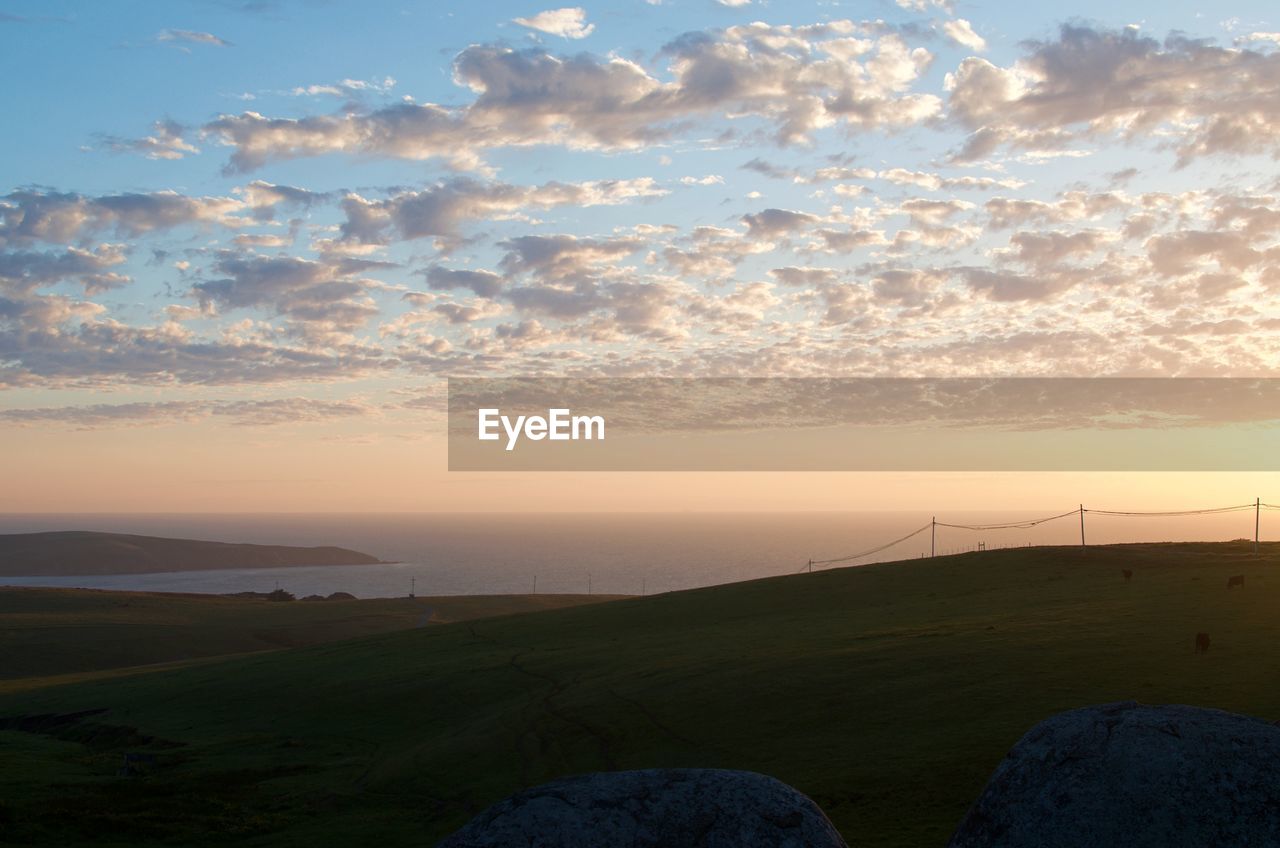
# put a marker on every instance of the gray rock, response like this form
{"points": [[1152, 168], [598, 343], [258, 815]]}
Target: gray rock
{"points": [[1133, 775], [671, 808]]}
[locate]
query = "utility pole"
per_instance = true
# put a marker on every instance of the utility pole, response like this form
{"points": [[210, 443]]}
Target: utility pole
{"points": [[413, 586], [810, 565], [933, 537], [1257, 523], [1082, 525], [535, 584], [588, 582]]}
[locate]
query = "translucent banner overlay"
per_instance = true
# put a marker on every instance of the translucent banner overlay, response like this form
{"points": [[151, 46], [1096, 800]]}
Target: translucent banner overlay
{"points": [[881, 424]]}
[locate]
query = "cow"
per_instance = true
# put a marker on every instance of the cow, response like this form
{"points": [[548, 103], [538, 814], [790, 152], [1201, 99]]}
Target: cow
{"points": [[1238, 580], [1128, 575], [1202, 643]]}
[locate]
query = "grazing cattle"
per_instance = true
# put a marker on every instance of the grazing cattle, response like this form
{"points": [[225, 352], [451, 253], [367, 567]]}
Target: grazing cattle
{"points": [[1238, 580], [1202, 642], [1128, 575]]}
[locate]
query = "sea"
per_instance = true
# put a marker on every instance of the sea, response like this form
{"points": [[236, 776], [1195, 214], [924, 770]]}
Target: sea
{"points": [[601, 553]]}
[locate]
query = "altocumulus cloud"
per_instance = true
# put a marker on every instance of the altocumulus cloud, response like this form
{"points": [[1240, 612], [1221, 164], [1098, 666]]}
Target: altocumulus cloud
{"points": [[858, 261], [1195, 96], [255, 413], [799, 79]]}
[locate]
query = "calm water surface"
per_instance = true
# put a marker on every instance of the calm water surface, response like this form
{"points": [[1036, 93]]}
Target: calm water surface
{"points": [[453, 554]]}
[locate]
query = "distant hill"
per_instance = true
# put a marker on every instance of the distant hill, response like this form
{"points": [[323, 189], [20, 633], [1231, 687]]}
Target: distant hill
{"points": [[83, 553]]}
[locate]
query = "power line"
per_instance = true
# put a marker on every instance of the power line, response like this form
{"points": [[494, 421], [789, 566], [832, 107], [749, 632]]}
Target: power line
{"points": [[1011, 525], [868, 553], [1034, 522], [1212, 511]]}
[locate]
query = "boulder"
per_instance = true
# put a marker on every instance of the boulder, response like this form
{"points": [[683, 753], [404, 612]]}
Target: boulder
{"points": [[671, 808], [1133, 775]]}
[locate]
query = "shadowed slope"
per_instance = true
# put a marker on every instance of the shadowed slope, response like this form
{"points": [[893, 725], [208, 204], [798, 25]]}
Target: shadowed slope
{"points": [[45, 632], [886, 693]]}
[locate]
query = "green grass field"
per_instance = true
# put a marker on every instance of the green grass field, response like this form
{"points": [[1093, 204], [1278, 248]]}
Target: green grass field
{"points": [[69, 633], [888, 693]]}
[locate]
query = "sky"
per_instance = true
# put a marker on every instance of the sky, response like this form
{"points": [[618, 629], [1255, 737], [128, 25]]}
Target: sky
{"points": [[244, 244]]}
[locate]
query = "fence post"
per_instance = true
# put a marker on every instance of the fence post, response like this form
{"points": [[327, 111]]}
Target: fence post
{"points": [[1082, 525]]}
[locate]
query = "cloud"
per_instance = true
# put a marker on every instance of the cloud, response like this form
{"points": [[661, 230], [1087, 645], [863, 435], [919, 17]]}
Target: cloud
{"points": [[296, 410], [305, 290], [933, 213], [241, 413], [1004, 212], [31, 215], [57, 341], [710, 253], [761, 166], [564, 258], [467, 313], [570, 278], [264, 198], [911, 287], [924, 5], [1048, 249], [345, 88], [849, 240], [1266, 37], [187, 36], [1201, 99], [793, 276], [735, 312], [1182, 252], [1007, 286], [961, 32], [481, 283], [165, 142], [438, 211], [25, 271], [796, 79], [569, 22], [401, 131], [937, 182], [771, 223]]}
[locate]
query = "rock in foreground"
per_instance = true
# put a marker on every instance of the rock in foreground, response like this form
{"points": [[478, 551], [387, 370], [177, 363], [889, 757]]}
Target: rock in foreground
{"points": [[1133, 775], [671, 808]]}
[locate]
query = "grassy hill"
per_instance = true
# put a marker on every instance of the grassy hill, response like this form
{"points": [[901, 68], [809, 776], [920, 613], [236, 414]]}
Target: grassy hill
{"points": [[888, 693], [68, 632], [84, 552]]}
